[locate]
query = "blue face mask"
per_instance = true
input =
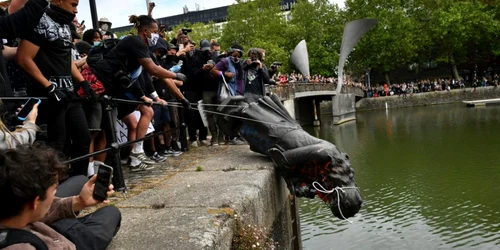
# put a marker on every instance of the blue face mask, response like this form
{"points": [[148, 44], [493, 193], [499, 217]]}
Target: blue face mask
{"points": [[96, 43]]}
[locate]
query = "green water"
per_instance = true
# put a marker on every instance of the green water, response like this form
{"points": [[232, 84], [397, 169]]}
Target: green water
{"points": [[429, 178]]}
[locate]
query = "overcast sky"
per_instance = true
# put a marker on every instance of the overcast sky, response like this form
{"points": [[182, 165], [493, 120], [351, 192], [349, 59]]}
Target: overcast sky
{"points": [[117, 11]]}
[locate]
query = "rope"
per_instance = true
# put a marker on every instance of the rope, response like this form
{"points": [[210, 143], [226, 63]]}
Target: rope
{"points": [[337, 189], [239, 117]]}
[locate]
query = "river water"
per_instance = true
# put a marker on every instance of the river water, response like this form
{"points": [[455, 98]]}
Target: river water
{"points": [[429, 178]]}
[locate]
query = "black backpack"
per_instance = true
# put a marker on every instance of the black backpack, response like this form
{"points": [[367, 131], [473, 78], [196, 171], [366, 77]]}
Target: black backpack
{"points": [[12, 236], [115, 81]]}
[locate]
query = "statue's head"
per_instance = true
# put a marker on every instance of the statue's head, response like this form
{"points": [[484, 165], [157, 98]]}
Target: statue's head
{"points": [[340, 192]]}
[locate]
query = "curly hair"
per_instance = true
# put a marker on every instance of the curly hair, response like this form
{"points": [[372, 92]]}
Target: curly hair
{"points": [[26, 173]]}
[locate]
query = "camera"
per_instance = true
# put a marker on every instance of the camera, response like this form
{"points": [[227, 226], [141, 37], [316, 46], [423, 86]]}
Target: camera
{"points": [[185, 31], [275, 64]]}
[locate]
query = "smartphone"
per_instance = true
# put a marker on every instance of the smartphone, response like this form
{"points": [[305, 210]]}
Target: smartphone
{"points": [[181, 46], [26, 110], [104, 175], [81, 24]]}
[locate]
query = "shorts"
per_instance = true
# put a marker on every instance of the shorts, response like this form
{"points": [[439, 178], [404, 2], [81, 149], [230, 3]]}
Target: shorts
{"points": [[125, 109], [161, 115], [93, 113]]}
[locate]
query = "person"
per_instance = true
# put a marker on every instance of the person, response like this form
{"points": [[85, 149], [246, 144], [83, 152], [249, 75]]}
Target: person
{"points": [[256, 76], [93, 111], [45, 54], [131, 55], [210, 87], [229, 70], [24, 134], [92, 36], [20, 19], [28, 180]]}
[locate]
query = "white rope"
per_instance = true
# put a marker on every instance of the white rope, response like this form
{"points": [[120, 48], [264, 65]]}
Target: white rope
{"points": [[239, 117], [337, 189]]}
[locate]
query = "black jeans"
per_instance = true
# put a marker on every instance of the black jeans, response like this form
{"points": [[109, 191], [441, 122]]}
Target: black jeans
{"points": [[94, 231], [67, 126], [193, 118]]}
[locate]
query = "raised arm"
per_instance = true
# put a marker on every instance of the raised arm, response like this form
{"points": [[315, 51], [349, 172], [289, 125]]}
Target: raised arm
{"points": [[25, 18]]}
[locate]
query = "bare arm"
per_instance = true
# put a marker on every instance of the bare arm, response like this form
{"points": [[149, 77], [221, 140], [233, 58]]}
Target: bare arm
{"points": [[9, 53], [15, 5], [25, 55], [156, 70], [77, 75], [170, 84], [81, 62]]}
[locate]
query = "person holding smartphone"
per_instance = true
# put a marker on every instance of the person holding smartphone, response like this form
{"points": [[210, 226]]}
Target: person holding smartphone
{"points": [[24, 134], [29, 180]]}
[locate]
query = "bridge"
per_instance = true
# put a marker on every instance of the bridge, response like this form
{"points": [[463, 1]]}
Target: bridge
{"points": [[300, 99]]}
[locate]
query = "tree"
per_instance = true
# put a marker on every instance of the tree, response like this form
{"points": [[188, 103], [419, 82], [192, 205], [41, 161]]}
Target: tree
{"points": [[392, 43], [258, 24], [462, 29], [320, 24]]}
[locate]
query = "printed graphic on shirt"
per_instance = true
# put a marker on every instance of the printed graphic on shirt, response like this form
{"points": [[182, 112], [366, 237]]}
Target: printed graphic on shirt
{"points": [[53, 31]]}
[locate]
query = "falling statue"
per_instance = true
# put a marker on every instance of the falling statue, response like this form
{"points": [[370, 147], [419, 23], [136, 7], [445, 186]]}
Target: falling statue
{"points": [[310, 166]]}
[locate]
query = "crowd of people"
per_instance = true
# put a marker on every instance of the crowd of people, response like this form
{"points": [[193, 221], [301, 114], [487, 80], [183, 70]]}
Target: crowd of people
{"points": [[81, 75], [428, 85]]}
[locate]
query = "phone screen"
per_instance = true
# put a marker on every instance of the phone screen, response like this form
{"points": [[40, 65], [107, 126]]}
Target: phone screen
{"points": [[26, 110], [103, 180]]}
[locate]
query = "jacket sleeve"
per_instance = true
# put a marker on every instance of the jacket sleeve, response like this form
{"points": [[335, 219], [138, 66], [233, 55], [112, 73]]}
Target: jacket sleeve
{"points": [[11, 26], [61, 208], [26, 134]]}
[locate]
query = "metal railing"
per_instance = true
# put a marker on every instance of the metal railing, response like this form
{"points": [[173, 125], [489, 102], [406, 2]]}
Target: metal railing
{"points": [[288, 91]]}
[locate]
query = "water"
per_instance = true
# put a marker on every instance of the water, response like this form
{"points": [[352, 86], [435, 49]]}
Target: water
{"points": [[429, 178]]}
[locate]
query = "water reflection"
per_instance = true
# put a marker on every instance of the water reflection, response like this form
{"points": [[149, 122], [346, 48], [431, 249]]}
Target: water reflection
{"points": [[429, 178]]}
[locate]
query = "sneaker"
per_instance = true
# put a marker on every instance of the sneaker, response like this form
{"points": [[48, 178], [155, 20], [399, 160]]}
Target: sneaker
{"points": [[206, 143], [142, 157], [173, 153], [214, 141], [125, 161], [159, 158], [235, 141], [141, 167], [175, 146], [194, 144]]}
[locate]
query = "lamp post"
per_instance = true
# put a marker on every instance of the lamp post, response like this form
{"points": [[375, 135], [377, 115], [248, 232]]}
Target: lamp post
{"points": [[93, 13]]}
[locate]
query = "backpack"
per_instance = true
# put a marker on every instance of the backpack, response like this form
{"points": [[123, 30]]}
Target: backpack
{"points": [[114, 81], [12, 236]]}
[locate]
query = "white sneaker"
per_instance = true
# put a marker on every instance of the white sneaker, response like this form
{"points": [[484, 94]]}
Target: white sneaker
{"points": [[142, 157], [206, 143]]}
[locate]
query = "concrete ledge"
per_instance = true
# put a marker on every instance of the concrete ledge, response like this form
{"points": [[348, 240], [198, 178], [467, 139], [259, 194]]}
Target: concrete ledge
{"points": [[195, 209], [339, 119]]}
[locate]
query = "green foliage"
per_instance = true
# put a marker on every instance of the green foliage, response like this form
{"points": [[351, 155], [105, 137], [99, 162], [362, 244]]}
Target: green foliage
{"points": [[259, 24], [321, 25], [125, 33]]}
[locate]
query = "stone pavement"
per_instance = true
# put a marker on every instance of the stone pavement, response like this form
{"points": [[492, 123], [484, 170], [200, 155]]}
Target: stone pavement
{"points": [[190, 202]]}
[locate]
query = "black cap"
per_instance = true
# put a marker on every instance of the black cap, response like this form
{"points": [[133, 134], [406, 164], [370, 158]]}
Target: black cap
{"points": [[83, 47], [205, 45], [161, 44]]}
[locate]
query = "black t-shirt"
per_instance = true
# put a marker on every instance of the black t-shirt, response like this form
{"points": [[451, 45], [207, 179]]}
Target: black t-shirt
{"points": [[54, 56], [254, 81], [129, 50]]}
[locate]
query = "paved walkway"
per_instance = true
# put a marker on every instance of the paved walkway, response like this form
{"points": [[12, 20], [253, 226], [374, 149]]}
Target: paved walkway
{"points": [[190, 202]]}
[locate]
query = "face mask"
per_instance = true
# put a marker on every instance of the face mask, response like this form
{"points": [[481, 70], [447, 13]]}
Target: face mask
{"points": [[235, 59], [216, 53], [105, 27], [153, 40], [96, 43]]}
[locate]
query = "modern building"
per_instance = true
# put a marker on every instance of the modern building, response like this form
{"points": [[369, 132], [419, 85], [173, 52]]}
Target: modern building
{"points": [[217, 15]]}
